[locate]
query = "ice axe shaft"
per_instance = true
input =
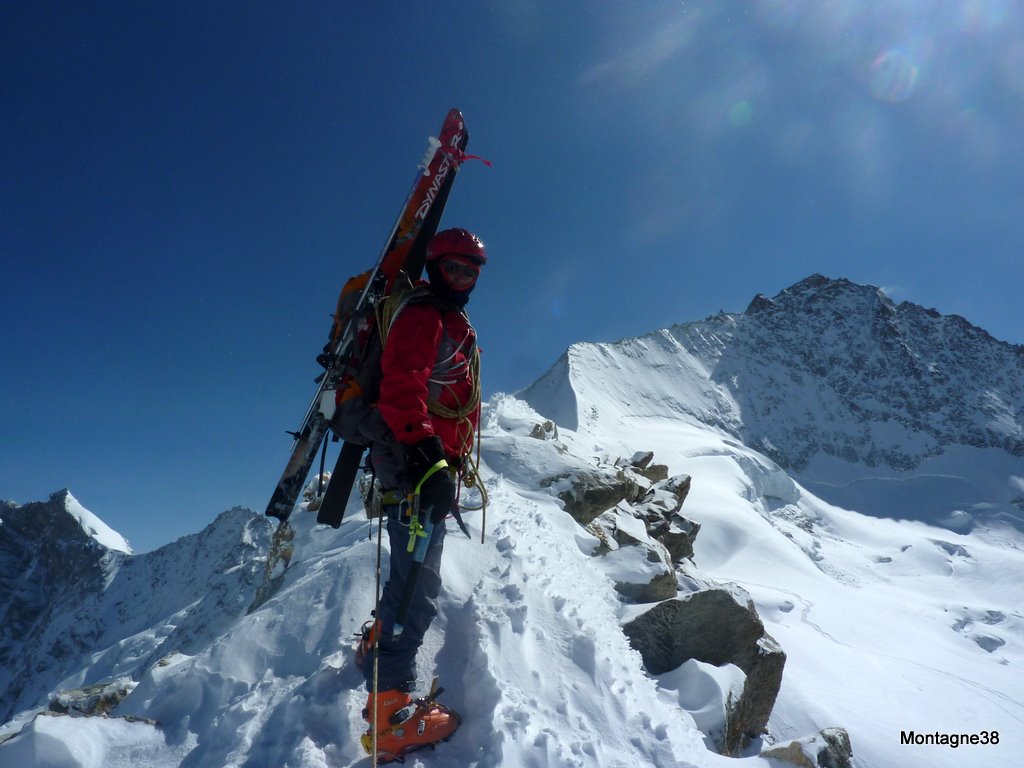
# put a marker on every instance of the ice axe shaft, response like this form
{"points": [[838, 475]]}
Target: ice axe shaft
{"points": [[419, 553]]}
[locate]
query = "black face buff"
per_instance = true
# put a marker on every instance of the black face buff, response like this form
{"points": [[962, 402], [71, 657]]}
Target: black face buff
{"points": [[444, 288]]}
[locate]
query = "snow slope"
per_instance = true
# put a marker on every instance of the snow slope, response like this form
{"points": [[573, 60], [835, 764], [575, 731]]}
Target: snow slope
{"points": [[889, 624], [894, 410], [528, 645]]}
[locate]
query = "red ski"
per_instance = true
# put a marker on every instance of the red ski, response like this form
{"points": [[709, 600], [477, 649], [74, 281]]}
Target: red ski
{"points": [[404, 251]]}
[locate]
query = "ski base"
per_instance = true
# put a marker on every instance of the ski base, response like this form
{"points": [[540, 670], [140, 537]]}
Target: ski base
{"points": [[332, 506]]}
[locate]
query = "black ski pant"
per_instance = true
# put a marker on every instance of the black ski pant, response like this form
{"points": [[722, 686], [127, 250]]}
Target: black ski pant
{"points": [[397, 657]]}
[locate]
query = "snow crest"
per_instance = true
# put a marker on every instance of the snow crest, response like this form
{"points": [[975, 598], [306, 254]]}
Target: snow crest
{"points": [[896, 622]]}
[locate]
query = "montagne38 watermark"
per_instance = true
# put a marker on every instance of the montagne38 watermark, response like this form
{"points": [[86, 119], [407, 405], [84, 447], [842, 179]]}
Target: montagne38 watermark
{"points": [[952, 740]]}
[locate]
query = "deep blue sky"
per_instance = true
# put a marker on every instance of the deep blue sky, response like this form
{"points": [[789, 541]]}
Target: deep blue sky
{"points": [[185, 186]]}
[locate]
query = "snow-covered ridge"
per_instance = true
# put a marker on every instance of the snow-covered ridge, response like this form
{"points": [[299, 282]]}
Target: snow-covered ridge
{"points": [[95, 528], [889, 626], [830, 379], [80, 610]]}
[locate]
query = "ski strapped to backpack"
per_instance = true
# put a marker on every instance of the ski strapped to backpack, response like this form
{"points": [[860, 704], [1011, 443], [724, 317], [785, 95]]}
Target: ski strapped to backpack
{"points": [[404, 251]]}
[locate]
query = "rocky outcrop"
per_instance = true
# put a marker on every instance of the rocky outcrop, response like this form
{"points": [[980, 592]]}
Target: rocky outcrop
{"points": [[716, 626], [592, 492], [641, 463], [660, 509], [829, 749], [641, 534], [642, 541], [546, 431], [640, 566], [99, 699]]}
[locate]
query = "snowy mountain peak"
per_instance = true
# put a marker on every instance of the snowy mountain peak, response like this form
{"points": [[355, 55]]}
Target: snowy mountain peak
{"points": [[93, 527], [77, 593], [928, 380], [829, 378], [62, 519]]}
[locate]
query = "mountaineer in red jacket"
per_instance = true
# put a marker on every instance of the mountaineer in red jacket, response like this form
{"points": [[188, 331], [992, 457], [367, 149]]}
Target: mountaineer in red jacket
{"points": [[430, 402]]}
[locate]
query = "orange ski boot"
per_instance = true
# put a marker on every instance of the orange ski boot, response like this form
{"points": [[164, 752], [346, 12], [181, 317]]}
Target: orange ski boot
{"points": [[421, 723], [388, 704]]}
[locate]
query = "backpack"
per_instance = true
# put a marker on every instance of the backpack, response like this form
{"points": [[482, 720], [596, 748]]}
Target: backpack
{"points": [[355, 418]]}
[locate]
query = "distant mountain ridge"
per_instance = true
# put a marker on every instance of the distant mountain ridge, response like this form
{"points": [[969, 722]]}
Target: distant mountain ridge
{"points": [[937, 378], [826, 370], [881, 620], [70, 596]]}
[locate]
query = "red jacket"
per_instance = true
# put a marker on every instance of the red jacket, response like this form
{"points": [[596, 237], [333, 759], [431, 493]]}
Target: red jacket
{"points": [[414, 367]]}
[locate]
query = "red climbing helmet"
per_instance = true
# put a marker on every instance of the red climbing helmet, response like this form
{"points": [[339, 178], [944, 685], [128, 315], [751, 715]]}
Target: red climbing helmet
{"points": [[457, 241]]}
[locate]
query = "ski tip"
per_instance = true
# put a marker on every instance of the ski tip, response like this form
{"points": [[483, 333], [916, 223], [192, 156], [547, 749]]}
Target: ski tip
{"points": [[454, 122]]}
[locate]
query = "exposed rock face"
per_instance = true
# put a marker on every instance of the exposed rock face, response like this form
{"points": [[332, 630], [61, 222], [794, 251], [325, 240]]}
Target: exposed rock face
{"points": [[99, 699], [715, 627], [591, 493], [71, 598], [873, 362], [826, 366], [829, 749]]}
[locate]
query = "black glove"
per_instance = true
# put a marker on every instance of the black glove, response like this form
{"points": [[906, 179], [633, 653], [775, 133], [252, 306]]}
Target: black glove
{"points": [[437, 494]]}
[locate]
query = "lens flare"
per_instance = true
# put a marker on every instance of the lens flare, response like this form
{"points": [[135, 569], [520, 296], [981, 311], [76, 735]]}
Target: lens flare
{"points": [[893, 76]]}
